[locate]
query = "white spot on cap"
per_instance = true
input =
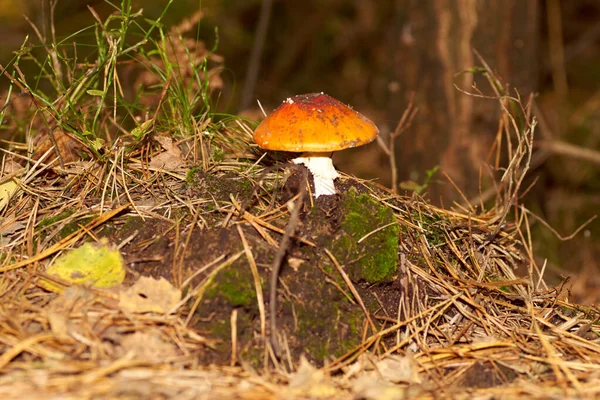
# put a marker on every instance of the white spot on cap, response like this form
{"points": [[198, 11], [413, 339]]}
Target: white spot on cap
{"points": [[289, 100]]}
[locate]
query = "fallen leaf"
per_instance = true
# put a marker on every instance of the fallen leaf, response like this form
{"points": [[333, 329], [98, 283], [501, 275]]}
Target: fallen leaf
{"points": [[150, 295], [143, 129], [372, 378], [7, 189], [372, 388], [397, 369], [59, 325], [10, 167], [92, 264], [58, 311], [69, 148], [171, 158], [10, 226], [309, 382]]}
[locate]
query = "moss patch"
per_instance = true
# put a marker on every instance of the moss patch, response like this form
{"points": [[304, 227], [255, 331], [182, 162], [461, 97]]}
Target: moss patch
{"points": [[51, 220], [68, 228], [232, 288], [235, 285], [330, 330], [318, 320], [375, 258]]}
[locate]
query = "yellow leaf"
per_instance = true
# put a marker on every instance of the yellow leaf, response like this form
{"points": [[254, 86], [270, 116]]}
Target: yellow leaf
{"points": [[7, 189], [96, 265]]}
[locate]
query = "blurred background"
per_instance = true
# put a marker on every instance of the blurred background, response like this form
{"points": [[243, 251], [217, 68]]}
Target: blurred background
{"points": [[381, 56]]}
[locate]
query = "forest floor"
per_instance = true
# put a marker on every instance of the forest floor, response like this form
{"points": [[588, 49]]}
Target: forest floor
{"points": [[379, 295], [175, 259]]}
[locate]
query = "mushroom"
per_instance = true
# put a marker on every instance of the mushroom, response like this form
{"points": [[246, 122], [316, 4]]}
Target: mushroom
{"points": [[315, 125]]}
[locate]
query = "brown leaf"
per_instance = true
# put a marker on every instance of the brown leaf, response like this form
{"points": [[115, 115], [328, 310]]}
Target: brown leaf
{"points": [[150, 295], [170, 159], [69, 148]]}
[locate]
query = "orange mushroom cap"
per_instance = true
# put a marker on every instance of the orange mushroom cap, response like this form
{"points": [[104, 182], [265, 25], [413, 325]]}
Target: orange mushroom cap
{"points": [[314, 122]]}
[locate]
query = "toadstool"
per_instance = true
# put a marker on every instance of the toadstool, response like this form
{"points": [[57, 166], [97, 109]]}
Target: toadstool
{"points": [[316, 125]]}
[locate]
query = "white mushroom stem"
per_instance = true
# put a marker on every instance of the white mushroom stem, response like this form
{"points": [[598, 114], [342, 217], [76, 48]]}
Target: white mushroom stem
{"points": [[321, 167]]}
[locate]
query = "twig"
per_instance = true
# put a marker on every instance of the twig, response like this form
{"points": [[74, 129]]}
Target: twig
{"points": [[375, 231], [558, 235], [390, 148], [521, 155], [571, 150], [233, 323], [276, 266]]}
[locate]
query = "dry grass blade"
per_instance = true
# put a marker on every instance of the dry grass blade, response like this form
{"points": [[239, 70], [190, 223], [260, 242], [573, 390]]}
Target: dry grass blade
{"points": [[22, 346], [257, 283]]}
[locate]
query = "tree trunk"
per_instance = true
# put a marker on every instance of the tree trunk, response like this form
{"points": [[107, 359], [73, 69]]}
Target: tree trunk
{"points": [[452, 129]]}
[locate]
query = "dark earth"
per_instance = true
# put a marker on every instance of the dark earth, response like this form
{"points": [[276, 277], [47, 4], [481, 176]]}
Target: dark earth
{"points": [[317, 315]]}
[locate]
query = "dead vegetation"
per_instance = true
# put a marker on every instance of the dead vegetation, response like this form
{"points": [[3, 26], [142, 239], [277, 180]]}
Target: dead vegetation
{"points": [[467, 314]]}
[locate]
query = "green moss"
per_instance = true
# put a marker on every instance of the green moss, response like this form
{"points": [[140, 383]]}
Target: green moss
{"points": [[375, 258], [435, 236], [218, 154], [253, 355], [328, 331], [234, 285], [246, 186], [51, 220], [220, 329], [74, 226], [69, 228], [133, 223], [191, 174], [354, 322]]}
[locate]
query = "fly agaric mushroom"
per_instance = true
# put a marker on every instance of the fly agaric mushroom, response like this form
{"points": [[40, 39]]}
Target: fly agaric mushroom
{"points": [[315, 125]]}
